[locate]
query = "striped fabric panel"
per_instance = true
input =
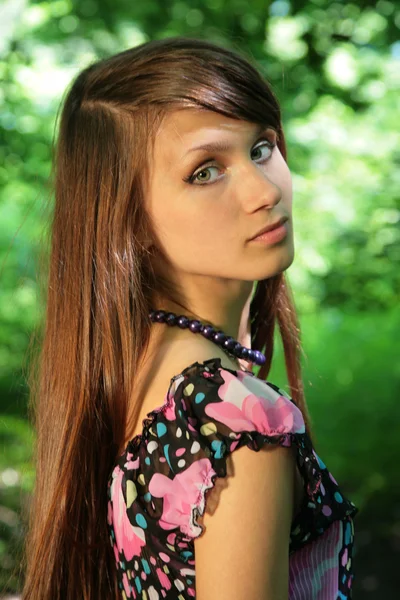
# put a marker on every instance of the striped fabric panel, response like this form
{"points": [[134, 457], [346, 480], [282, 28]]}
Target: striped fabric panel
{"points": [[314, 569]]}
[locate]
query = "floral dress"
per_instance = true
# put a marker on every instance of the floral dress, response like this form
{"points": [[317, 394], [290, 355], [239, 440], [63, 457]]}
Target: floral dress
{"points": [[158, 487]]}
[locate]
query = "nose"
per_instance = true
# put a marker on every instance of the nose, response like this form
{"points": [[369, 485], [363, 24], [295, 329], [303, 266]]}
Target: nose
{"points": [[258, 188]]}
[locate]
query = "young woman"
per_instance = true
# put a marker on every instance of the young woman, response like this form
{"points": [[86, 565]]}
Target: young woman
{"points": [[166, 468]]}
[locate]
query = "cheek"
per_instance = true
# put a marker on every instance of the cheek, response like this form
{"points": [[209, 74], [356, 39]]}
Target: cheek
{"points": [[287, 191], [283, 180], [183, 222], [197, 230]]}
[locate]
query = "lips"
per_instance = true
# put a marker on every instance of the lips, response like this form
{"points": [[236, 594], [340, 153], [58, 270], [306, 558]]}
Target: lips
{"points": [[270, 227]]}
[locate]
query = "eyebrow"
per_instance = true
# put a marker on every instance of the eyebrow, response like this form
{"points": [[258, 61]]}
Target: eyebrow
{"points": [[222, 146]]}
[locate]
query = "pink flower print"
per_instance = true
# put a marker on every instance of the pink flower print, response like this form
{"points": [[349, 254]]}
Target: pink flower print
{"points": [[129, 538], [182, 495], [169, 410], [250, 404], [132, 464], [171, 538], [163, 579]]}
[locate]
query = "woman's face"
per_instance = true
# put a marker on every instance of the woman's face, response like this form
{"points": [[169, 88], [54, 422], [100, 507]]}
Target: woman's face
{"points": [[206, 204]]}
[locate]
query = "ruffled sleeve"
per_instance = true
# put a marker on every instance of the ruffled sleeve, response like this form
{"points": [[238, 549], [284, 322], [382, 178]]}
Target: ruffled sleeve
{"points": [[211, 412]]}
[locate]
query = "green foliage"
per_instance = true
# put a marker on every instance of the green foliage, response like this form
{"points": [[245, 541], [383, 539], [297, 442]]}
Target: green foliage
{"points": [[16, 481], [335, 69]]}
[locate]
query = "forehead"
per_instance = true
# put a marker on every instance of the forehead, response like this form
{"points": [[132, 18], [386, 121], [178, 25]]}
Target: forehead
{"points": [[184, 128]]}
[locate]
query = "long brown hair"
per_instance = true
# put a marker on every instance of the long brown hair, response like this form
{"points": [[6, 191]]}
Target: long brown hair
{"points": [[99, 287]]}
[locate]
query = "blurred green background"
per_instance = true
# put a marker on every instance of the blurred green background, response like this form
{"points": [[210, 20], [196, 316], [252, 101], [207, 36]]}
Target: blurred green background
{"points": [[335, 69]]}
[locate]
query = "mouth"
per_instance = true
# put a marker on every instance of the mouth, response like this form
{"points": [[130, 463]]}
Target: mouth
{"points": [[278, 227]]}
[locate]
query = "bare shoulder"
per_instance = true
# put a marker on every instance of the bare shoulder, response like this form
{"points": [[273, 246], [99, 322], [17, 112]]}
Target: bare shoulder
{"points": [[167, 361], [185, 352]]}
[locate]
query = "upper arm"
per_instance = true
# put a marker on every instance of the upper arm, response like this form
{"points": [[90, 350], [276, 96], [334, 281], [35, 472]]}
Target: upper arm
{"points": [[243, 552]]}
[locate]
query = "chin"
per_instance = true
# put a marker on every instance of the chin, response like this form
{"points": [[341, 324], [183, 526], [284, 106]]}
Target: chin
{"points": [[273, 265], [286, 256]]}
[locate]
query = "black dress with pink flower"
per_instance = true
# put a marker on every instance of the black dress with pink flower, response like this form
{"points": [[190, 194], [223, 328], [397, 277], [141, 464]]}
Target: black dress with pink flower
{"points": [[159, 486]]}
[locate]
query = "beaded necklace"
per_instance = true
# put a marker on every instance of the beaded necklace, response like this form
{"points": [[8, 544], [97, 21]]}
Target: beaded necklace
{"points": [[226, 342]]}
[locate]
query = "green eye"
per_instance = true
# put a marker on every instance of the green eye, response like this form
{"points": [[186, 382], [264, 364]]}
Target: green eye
{"points": [[198, 178], [266, 144]]}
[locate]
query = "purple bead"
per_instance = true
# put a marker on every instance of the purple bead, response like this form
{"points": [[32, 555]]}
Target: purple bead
{"points": [[195, 326], [244, 353], [160, 316], [208, 331], [182, 322], [259, 357], [170, 319], [229, 343], [250, 355], [219, 337], [236, 348], [254, 355], [152, 315]]}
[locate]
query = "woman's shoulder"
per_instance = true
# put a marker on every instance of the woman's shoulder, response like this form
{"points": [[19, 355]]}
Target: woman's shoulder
{"points": [[166, 364], [184, 353]]}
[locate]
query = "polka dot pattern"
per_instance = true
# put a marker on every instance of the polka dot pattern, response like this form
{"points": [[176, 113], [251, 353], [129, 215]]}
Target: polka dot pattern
{"points": [[157, 489]]}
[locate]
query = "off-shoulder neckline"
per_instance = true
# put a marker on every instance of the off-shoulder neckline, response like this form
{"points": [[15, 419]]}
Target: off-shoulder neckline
{"points": [[150, 417]]}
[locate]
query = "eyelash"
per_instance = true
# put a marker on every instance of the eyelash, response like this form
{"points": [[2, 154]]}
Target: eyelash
{"points": [[191, 178]]}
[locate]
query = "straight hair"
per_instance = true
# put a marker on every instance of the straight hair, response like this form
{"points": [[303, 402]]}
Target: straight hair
{"points": [[99, 285]]}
